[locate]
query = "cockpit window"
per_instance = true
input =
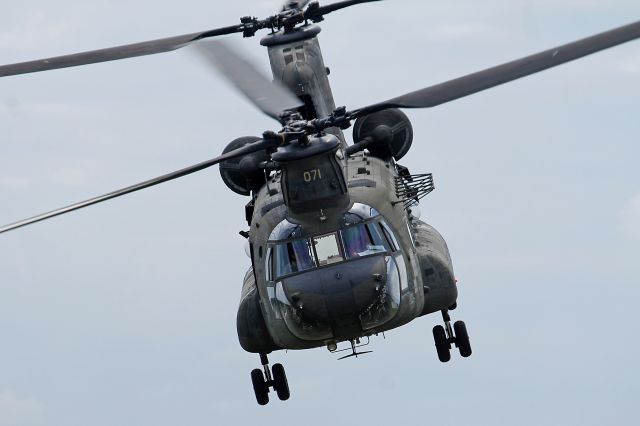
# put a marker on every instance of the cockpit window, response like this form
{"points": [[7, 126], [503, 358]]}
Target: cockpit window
{"points": [[293, 256], [327, 249], [361, 212], [363, 233], [285, 230], [390, 237], [363, 239]]}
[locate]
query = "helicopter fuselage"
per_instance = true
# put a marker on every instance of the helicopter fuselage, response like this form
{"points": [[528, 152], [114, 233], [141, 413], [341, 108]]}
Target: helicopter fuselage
{"points": [[406, 274], [324, 272]]}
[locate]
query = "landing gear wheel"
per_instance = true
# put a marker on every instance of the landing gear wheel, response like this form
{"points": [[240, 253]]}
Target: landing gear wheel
{"points": [[280, 383], [260, 387], [442, 344], [462, 338]]}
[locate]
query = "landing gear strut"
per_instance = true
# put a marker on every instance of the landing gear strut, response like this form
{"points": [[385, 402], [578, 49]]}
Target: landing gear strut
{"points": [[267, 378], [445, 336]]}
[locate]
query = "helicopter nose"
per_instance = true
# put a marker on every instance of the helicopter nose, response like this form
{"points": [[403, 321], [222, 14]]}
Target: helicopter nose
{"points": [[338, 294]]}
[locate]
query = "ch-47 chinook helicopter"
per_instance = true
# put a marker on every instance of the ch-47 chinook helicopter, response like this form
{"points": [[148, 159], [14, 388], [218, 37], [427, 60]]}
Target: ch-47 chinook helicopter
{"points": [[337, 249]]}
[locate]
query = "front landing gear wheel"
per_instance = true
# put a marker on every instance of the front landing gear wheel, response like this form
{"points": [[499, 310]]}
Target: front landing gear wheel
{"points": [[442, 343], [260, 387], [462, 338], [267, 378], [280, 383]]}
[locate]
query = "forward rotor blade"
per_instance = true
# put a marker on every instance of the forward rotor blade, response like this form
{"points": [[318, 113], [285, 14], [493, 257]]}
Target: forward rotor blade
{"points": [[323, 10], [491, 77], [114, 53], [271, 98], [257, 146], [294, 5]]}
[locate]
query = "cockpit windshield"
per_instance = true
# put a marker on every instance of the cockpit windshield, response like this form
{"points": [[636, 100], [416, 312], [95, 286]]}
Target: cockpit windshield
{"points": [[293, 256], [327, 249], [364, 233], [364, 239]]}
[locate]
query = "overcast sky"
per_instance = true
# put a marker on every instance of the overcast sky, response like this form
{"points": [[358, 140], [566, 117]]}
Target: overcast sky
{"points": [[124, 313]]}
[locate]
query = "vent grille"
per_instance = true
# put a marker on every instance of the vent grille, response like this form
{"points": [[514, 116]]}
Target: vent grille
{"points": [[411, 188]]}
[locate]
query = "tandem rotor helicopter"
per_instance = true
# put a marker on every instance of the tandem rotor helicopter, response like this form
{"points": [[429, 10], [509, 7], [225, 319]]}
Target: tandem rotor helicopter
{"points": [[338, 252]]}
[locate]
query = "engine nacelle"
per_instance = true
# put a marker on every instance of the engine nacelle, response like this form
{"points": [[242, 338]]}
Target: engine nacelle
{"points": [[243, 174], [397, 126]]}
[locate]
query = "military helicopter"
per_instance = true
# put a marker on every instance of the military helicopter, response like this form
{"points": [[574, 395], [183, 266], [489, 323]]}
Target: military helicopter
{"points": [[338, 251]]}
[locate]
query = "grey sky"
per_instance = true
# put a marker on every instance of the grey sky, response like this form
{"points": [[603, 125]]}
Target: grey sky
{"points": [[124, 313]]}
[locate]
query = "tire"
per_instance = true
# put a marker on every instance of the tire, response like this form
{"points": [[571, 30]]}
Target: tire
{"points": [[462, 338], [260, 387], [280, 383], [442, 344]]}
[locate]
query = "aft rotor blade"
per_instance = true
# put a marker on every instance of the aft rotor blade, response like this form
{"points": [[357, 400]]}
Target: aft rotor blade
{"points": [[270, 97], [257, 146], [114, 53], [491, 77]]}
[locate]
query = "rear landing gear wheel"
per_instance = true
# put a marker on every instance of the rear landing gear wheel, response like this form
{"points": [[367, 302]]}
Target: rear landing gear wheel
{"points": [[442, 343], [280, 383], [260, 387], [462, 338]]}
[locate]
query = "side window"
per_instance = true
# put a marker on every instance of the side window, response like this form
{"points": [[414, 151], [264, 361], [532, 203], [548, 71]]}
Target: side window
{"points": [[268, 264], [393, 243]]}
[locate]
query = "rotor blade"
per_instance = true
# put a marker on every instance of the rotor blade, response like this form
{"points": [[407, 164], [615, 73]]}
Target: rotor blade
{"points": [[294, 5], [491, 77], [257, 146], [272, 98], [114, 53], [323, 10]]}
